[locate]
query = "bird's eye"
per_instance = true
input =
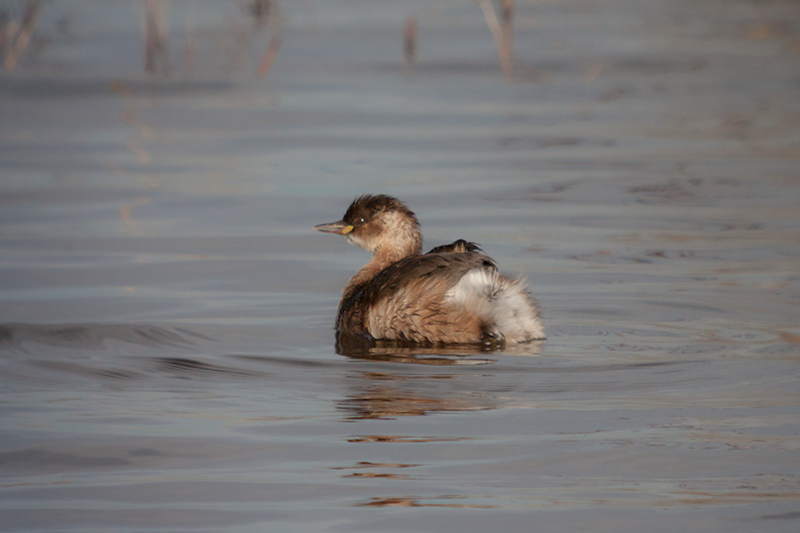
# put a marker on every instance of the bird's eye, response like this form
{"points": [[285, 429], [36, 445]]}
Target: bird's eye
{"points": [[360, 221]]}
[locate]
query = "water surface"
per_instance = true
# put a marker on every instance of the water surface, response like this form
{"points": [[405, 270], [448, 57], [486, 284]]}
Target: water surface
{"points": [[167, 357]]}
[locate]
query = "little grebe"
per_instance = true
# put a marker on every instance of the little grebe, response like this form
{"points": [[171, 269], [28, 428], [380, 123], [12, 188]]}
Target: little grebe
{"points": [[452, 294]]}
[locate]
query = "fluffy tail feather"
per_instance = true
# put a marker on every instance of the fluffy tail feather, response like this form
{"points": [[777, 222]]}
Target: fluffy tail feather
{"points": [[505, 306]]}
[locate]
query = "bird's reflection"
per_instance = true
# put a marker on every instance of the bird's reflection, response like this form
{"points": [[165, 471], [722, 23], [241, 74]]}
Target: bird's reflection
{"points": [[410, 352], [385, 400], [407, 352], [391, 391]]}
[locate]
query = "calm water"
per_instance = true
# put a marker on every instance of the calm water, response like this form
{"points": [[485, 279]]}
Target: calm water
{"points": [[167, 357]]}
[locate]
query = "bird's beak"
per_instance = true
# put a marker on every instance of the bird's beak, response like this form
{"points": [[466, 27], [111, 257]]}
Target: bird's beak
{"points": [[340, 228]]}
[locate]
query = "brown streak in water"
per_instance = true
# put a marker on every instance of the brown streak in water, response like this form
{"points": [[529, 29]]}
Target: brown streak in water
{"points": [[791, 338], [390, 502], [125, 211], [269, 56], [594, 71], [380, 376], [410, 41], [376, 475], [402, 438], [367, 464], [413, 502], [30, 19]]}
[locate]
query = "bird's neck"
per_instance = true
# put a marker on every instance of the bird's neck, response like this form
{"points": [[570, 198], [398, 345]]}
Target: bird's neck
{"points": [[383, 257]]}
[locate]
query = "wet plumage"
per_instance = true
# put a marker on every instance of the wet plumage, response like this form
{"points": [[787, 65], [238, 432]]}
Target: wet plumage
{"points": [[452, 294]]}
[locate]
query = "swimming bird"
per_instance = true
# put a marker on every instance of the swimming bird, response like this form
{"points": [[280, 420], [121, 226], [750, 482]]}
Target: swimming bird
{"points": [[454, 294]]}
